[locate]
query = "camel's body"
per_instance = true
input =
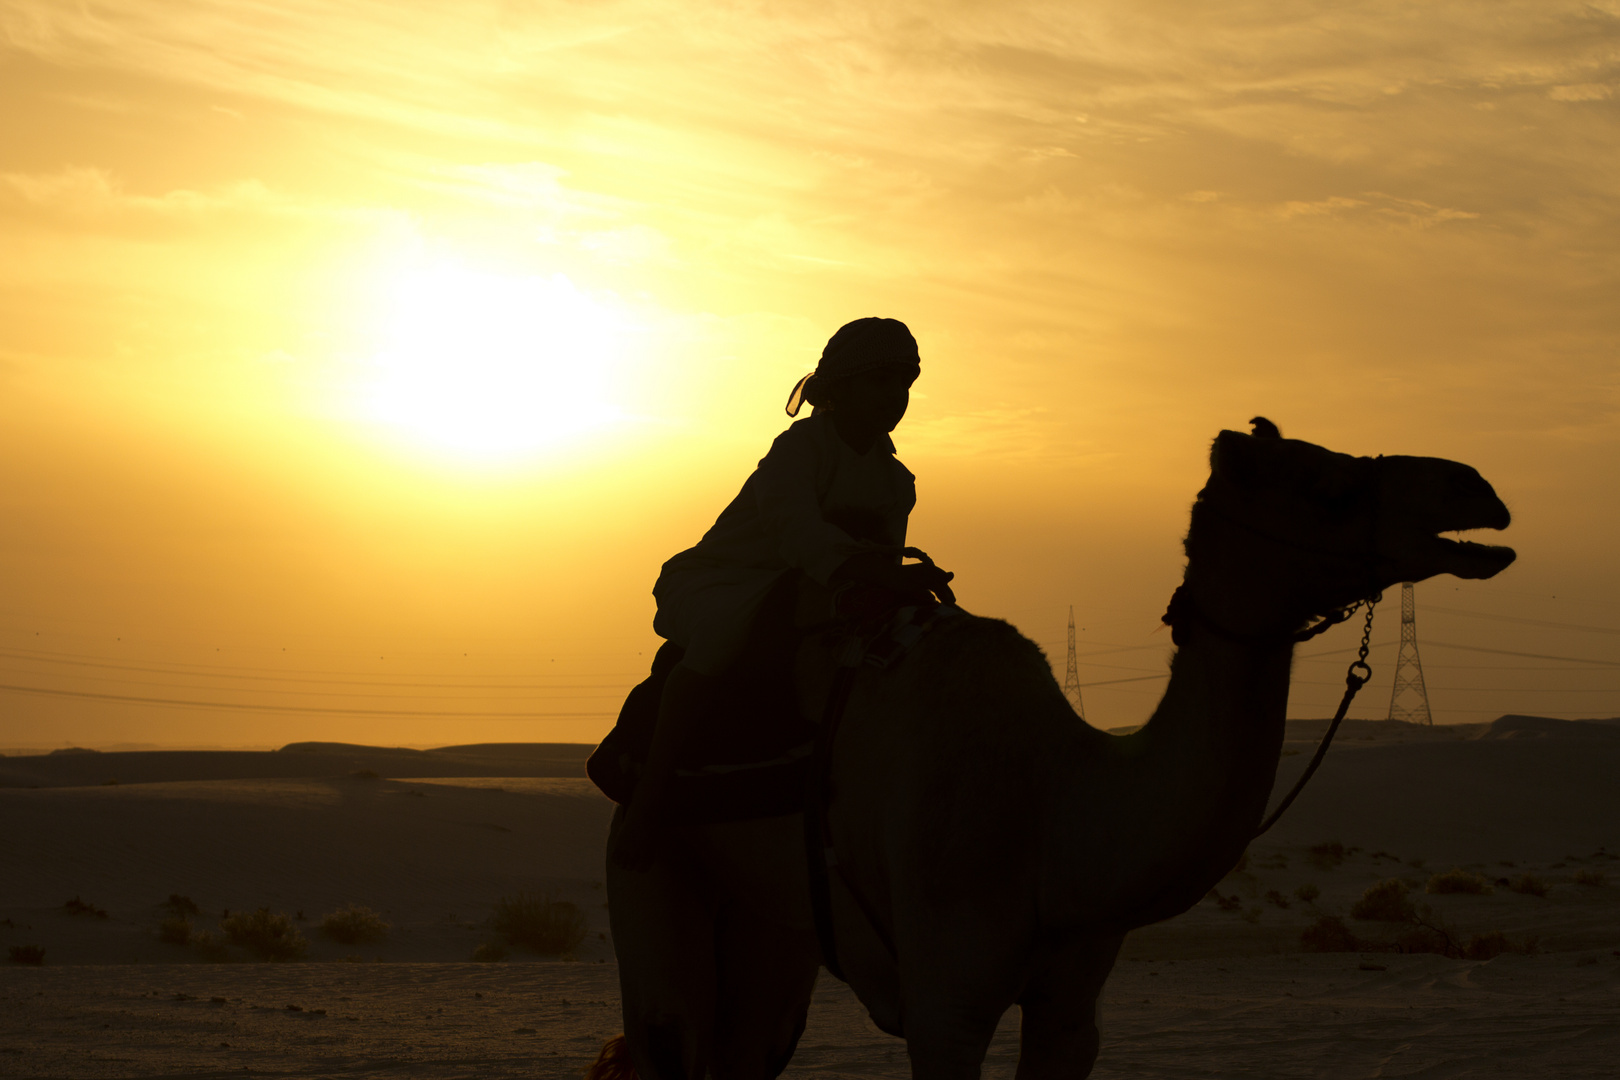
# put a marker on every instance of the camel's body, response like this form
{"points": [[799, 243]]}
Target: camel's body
{"points": [[1008, 848]]}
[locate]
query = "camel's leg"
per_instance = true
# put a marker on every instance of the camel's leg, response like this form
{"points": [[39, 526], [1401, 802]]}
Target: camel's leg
{"points": [[954, 994], [663, 933], [1058, 1038], [765, 946]]}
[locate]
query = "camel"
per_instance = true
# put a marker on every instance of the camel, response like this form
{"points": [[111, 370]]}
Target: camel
{"points": [[1002, 847]]}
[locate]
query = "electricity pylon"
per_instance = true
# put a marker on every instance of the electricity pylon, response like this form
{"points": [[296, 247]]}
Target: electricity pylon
{"points": [[1071, 678], [1409, 698]]}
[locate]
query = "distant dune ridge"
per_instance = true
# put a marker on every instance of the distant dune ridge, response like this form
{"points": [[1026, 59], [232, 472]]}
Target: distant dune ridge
{"points": [[431, 840]]}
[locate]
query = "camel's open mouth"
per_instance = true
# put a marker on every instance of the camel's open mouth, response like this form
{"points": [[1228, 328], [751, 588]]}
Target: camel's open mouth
{"points": [[1470, 559]]}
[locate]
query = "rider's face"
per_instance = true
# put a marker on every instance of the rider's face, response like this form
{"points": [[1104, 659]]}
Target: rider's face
{"points": [[876, 400]]}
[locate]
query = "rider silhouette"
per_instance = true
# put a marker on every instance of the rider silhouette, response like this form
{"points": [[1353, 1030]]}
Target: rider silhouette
{"points": [[835, 467]]}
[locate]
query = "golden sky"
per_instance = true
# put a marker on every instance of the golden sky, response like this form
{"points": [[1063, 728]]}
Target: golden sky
{"points": [[360, 363]]}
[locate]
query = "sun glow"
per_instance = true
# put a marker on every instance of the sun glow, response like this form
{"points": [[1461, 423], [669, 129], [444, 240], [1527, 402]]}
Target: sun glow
{"points": [[495, 365]]}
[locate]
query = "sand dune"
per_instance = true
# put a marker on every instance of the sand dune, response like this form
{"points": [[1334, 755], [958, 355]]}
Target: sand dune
{"points": [[1221, 990]]}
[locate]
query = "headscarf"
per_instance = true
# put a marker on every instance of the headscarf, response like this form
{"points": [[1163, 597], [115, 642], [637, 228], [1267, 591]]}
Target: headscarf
{"points": [[857, 347]]}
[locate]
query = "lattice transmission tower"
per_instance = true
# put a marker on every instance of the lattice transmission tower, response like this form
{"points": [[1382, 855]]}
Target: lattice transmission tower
{"points": [[1071, 678], [1409, 699]]}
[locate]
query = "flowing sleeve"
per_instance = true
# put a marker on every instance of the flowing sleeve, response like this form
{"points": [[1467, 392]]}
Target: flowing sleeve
{"points": [[787, 495]]}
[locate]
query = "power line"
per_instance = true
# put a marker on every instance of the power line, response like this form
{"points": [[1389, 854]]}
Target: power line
{"points": [[228, 705], [1526, 622]]}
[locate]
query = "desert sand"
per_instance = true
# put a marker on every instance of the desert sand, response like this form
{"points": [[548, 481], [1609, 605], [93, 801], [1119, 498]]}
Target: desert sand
{"points": [[1223, 990]]}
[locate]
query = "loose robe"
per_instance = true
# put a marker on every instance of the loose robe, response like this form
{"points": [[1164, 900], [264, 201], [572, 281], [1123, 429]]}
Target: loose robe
{"points": [[810, 504]]}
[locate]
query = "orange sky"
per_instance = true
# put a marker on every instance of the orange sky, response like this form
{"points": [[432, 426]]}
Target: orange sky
{"points": [[360, 363]]}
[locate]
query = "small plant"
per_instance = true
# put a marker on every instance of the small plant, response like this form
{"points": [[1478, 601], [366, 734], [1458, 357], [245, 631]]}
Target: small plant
{"points": [[1528, 884], [1386, 901], [540, 923], [266, 934], [1487, 946], [1307, 893], [1277, 898], [354, 925], [1328, 934], [26, 954], [181, 905], [1457, 880], [175, 931], [1226, 903], [76, 906], [210, 946], [1327, 856], [489, 952], [1594, 878]]}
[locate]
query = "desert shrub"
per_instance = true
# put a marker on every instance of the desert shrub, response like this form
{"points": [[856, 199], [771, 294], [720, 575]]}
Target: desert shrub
{"points": [[1225, 903], [175, 931], [210, 946], [1457, 880], [489, 952], [1307, 893], [181, 905], [266, 934], [1487, 946], [1591, 877], [1427, 939], [540, 923], [1329, 934], [1528, 884], [76, 906], [1327, 856], [354, 925], [26, 954], [1385, 902], [1275, 897]]}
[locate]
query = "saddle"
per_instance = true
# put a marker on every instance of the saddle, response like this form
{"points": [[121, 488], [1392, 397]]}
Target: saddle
{"points": [[748, 758], [752, 755]]}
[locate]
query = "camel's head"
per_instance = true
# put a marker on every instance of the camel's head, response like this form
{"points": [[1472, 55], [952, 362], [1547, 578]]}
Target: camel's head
{"points": [[1341, 527]]}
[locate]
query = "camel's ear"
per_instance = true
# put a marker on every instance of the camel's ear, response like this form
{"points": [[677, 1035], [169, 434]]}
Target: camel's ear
{"points": [[1245, 460], [1265, 429]]}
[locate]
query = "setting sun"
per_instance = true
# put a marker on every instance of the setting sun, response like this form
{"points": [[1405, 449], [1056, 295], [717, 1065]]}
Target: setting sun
{"points": [[489, 364]]}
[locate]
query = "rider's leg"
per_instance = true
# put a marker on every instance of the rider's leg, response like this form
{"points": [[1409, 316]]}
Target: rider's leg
{"points": [[663, 934]]}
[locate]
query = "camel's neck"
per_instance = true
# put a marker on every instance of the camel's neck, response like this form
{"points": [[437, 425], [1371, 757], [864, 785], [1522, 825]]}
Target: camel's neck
{"points": [[1188, 790]]}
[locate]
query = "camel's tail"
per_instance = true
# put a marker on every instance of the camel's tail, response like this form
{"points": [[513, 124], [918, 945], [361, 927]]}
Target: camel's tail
{"points": [[613, 1063]]}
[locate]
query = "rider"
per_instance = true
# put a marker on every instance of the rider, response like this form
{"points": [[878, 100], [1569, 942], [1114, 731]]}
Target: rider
{"points": [[836, 465]]}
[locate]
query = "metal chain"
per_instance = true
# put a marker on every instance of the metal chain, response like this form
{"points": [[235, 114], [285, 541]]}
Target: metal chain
{"points": [[1352, 683]]}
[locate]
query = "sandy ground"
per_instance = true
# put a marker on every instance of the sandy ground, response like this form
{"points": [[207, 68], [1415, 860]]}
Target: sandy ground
{"points": [[1223, 990], [1282, 1017]]}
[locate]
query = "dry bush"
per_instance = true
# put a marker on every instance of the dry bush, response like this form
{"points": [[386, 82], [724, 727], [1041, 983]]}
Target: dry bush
{"points": [[26, 954], [1487, 946], [1591, 877], [1307, 893], [76, 906], [540, 923], [210, 946], [489, 952], [1225, 903], [266, 934], [1329, 934], [181, 905], [1529, 885], [175, 931], [1457, 880], [1327, 856], [1386, 901], [354, 925]]}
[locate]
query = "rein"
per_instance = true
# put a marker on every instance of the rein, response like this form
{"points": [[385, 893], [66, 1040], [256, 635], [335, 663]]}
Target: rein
{"points": [[1353, 681]]}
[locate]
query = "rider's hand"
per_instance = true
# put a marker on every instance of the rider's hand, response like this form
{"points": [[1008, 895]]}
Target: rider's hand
{"points": [[916, 580]]}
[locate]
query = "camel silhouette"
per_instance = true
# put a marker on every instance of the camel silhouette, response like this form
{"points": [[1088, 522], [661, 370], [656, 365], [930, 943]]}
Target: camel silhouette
{"points": [[993, 850]]}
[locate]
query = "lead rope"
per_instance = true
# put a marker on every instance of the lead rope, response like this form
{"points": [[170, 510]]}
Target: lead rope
{"points": [[1353, 681]]}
